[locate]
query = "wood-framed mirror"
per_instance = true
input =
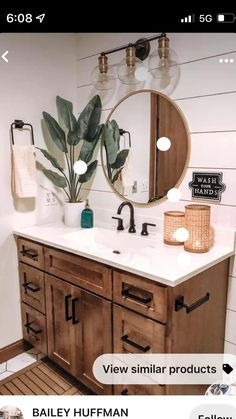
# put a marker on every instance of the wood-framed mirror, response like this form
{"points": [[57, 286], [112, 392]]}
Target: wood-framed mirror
{"points": [[137, 130]]}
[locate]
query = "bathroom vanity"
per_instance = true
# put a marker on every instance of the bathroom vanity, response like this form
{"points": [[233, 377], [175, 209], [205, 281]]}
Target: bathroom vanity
{"points": [[77, 306]]}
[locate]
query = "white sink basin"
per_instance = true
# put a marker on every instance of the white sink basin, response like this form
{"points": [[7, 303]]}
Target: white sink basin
{"points": [[100, 238]]}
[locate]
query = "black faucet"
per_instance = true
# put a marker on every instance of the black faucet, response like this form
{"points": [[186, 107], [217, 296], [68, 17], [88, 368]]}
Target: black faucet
{"points": [[132, 225]]}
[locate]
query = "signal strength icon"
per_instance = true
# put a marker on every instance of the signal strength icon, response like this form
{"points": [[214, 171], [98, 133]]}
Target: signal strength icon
{"points": [[187, 19]]}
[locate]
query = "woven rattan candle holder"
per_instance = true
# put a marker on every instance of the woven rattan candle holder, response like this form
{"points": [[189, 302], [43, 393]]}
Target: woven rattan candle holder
{"points": [[197, 222], [172, 221]]}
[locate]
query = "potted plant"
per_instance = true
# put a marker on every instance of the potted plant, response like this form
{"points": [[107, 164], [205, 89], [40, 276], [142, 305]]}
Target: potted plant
{"points": [[67, 135]]}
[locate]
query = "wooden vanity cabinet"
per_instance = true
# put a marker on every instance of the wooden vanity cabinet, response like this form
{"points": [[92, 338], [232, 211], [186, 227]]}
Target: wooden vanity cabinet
{"points": [[75, 309]]}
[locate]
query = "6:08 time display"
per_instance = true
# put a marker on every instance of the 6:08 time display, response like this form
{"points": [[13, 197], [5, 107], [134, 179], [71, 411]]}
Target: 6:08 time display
{"points": [[19, 18]]}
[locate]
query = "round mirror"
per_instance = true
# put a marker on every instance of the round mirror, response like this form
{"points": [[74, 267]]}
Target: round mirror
{"points": [[145, 147]]}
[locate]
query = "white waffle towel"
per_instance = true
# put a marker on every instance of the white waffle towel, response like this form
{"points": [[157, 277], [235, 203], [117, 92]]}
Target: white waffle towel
{"points": [[24, 171]]}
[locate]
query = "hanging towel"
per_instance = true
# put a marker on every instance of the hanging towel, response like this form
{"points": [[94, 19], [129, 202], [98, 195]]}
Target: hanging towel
{"points": [[24, 171]]}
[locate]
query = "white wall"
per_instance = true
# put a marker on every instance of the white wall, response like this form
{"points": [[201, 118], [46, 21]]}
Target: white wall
{"points": [[40, 67], [206, 92]]}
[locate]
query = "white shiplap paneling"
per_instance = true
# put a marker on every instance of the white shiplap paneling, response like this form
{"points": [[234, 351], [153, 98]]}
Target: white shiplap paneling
{"points": [[207, 150]]}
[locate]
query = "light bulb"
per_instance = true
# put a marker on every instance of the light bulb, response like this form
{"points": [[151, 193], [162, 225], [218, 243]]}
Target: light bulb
{"points": [[163, 143], [181, 234], [80, 167], [103, 76], [174, 195], [165, 67], [131, 70], [163, 62]]}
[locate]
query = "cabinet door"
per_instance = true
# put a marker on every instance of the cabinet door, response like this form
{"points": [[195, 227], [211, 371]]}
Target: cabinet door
{"points": [[61, 333], [93, 337], [79, 330]]}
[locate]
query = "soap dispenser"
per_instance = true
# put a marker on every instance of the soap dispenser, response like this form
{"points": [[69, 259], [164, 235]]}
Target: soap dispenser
{"points": [[87, 216]]}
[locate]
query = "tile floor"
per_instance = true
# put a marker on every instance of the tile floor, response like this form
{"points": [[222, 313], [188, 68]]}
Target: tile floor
{"points": [[19, 362]]}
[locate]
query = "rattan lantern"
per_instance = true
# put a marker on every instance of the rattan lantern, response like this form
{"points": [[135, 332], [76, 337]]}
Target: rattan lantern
{"points": [[197, 222], [172, 221]]}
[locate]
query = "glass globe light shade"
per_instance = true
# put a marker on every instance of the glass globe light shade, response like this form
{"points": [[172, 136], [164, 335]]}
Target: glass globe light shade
{"points": [[103, 76], [103, 81], [163, 62], [131, 69], [164, 67]]}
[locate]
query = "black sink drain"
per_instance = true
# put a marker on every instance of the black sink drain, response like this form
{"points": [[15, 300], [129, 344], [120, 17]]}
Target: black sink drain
{"points": [[117, 252]]}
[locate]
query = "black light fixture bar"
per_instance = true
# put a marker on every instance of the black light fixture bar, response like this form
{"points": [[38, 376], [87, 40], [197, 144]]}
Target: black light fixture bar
{"points": [[142, 46]]}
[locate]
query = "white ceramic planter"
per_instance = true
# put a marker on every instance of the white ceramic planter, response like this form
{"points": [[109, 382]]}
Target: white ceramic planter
{"points": [[72, 213]]}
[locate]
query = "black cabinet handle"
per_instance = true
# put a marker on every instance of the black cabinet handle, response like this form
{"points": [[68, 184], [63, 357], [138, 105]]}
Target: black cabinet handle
{"points": [[29, 254], [125, 392], [29, 327], [126, 339], [127, 294], [74, 321], [29, 287], [67, 317], [179, 303]]}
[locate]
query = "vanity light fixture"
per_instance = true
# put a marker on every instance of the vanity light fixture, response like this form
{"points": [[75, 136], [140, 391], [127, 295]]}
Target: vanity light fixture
{"points": [[131, 70]]}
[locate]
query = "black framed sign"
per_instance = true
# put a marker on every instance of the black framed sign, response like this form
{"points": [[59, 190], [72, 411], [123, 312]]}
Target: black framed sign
{"points": [[207, 185]]}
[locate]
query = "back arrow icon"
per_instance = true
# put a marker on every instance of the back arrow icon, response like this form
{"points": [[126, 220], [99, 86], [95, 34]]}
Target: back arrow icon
{"points": [[3, 56]]}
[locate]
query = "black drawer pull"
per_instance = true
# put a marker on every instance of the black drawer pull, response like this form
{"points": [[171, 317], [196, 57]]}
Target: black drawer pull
{"points": [[127, 294], [74, 321], [29, 327], [179, 303], [29, 254], [29, 287], [125, 392], [126, 339], [67, 317]]}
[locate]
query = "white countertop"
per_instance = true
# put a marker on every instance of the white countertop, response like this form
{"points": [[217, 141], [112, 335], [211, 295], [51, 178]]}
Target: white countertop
{"points": [[169, 265]]}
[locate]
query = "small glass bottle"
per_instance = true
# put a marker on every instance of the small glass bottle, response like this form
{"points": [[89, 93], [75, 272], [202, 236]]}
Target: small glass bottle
{"points": [[87, 216]]}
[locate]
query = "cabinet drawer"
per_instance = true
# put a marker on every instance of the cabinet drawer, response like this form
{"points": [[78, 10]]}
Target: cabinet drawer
{"points": [[134, 333], [32, 287], [139, 390], [31, 253], [141, 295], [86, 273], [34, 327]]}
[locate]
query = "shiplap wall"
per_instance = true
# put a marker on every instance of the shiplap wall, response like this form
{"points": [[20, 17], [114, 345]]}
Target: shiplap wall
{"points": [[206, 93]]}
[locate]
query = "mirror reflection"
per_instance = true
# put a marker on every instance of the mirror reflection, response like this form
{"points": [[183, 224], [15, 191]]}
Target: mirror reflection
{"points": [[145, 146]]}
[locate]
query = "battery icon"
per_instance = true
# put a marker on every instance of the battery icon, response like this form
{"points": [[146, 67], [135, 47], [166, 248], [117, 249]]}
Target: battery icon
{"points": [[226, 18]]}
